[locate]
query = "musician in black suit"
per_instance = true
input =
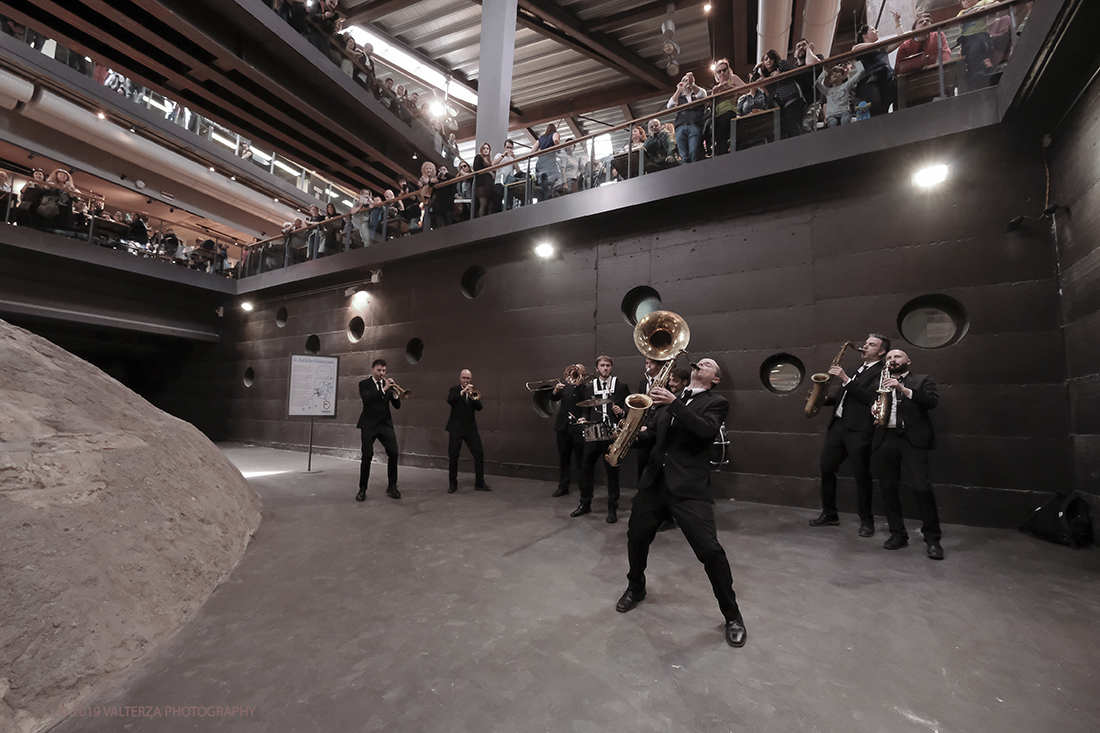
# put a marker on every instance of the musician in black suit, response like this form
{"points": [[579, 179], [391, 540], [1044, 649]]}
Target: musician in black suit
{"points": [[570, 442], [849, 436], [604, 386], [901, 451], [652, 368], [676, 483], [462, 426], [376, 423]]}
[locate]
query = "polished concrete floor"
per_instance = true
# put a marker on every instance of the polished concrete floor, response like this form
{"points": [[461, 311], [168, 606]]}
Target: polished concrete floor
{"points": [[495, 611]]}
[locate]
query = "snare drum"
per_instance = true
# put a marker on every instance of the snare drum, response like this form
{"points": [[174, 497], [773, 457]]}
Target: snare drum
{"points": [[597, 432]]}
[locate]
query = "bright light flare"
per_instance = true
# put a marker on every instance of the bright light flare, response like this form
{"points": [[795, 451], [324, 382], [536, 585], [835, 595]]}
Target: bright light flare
{"points": [[930, 176], [360, 299], [247, 306], [545, 250]]}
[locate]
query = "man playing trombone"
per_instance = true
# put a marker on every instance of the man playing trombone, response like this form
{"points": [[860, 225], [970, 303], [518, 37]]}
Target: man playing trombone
{"points": [[465, 403], [570, 444], [378, 394]]}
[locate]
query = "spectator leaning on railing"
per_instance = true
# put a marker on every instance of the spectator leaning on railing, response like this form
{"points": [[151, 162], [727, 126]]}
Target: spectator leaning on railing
{"points": [[877, 87], [725, 107], [786, 94], [922, 51]]}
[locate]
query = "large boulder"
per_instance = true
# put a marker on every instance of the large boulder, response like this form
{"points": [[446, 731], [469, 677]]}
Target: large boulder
{"points": [[117, 521]]}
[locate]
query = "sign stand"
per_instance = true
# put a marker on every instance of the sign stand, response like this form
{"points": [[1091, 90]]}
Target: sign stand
{"points": [[309, 457], [312, 393]]}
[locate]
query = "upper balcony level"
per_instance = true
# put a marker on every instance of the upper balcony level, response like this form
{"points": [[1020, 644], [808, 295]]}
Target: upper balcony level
{"points": [[1043, 58]]}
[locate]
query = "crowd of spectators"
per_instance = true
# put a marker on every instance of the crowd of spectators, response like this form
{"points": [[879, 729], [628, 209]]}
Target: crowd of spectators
{"points": [[319, 22], [53, 203]]}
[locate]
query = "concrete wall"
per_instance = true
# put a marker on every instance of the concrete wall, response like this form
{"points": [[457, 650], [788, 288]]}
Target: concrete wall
{"points": [[1075, 182], [794, 264]]}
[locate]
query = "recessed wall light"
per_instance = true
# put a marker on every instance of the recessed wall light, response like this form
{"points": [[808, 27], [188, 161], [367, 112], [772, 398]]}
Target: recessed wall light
{"points": [[544, 250], [930, 176]]}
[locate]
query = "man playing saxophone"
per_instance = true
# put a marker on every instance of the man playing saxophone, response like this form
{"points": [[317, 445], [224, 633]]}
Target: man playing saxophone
{"points": [[676, 483], [849, 436]]}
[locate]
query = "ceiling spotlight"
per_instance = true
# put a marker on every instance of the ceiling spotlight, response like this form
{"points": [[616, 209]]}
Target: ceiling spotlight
{"points": [[673, 68], [276, 200], [930, 176], [360, 299], [706, 8], [232, 178], [133, 129], [414, 156], [544, 250], [247, 306], [101, 116], [220, 310], [211, 169]]}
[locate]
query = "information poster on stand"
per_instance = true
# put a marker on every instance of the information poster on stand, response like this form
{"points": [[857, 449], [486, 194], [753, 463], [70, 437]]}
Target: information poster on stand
{"points": [[312, 386]]}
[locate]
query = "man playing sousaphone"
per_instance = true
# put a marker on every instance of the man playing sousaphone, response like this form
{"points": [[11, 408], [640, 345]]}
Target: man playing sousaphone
{"points": [[850, 429]]}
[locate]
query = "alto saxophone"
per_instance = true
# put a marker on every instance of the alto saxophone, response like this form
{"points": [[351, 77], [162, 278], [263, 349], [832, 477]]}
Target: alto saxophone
{"points": [[662, 336], [881, 409], [821, 384]]}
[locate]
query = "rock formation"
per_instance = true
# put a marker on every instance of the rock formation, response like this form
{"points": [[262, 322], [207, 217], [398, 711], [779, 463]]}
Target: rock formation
{"points": [[117, 521]]}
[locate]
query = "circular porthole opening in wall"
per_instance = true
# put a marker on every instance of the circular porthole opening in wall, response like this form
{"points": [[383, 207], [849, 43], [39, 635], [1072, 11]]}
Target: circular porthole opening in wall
{"points": [[356, 329], [639, 302], [313, 344], [933, 321], [542, 404], [280, 317], [473, 281], [414, 351], [782, 373], [249, 377]]}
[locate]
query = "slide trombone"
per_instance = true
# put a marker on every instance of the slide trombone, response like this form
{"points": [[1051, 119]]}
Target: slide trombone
{"points": [[574, 375]]}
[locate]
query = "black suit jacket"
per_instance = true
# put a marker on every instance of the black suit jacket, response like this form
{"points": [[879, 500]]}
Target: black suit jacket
{"points": [[861, 391], [569, 396], [913, 413], [376, 407], [682, 445], [618, 397], [463, 412]]}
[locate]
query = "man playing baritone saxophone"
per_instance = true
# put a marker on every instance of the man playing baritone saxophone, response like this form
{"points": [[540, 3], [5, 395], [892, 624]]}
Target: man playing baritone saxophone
{"points": [[676, 483], [849, 435], [603, 386]]}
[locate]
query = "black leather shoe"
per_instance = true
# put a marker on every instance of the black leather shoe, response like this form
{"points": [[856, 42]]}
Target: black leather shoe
{"points": [[935, 551], [393, 493], [482, 487], [452, 489], [825, 520], [896, 542], [612, 516], [362, 495], [866, 529], [629, 600], [735, 633], [560, 492], [581, 510], [667, 525]]}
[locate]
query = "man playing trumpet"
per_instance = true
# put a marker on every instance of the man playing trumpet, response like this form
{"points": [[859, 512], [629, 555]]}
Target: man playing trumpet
{"points": [[465, 403], [850, 429], [378, 394]]}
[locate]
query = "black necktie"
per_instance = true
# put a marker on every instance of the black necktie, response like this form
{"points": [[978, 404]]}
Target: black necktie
{"points": [[687, 395]]}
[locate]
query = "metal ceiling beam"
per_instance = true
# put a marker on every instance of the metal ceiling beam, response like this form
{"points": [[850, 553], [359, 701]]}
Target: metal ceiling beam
{"points": [[369, 12], [574, 126], [174, 76], [612, 50], [634, 15]]}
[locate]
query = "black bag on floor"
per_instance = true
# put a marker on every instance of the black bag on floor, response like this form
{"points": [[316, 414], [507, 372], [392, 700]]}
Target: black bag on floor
{"points": [[1063, 519]]}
